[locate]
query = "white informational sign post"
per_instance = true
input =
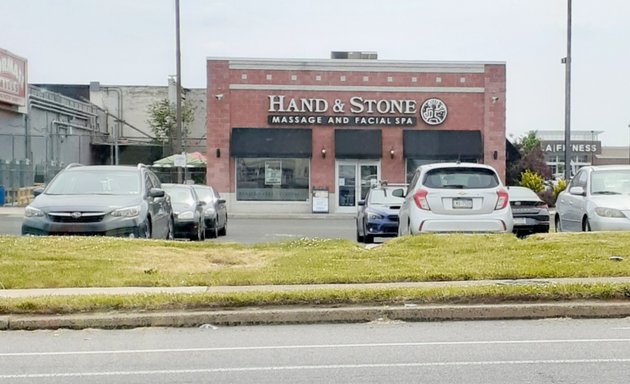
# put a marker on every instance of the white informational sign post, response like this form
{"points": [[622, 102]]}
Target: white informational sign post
{"points": [[320, 201], [179, 160]]}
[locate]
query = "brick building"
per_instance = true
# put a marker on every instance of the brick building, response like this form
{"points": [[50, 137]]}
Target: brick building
{"points": [[279, 129]]}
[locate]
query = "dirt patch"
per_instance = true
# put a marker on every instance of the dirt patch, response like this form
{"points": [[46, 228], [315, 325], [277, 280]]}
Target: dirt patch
{"points": [[176, 260]]}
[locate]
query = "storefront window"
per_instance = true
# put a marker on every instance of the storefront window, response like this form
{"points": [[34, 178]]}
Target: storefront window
{"points": [[272, 179]]}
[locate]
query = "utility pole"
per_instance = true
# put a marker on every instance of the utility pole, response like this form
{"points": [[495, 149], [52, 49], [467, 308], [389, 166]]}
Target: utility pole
{"points": [[567, 100], [178, 102]]}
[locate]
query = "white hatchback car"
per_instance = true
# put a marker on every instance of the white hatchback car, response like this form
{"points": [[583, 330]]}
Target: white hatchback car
{"points": [[596, 199], [455, 197]]}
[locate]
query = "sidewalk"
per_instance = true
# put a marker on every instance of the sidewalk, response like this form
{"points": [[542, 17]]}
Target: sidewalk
{"points": [[313, 313], [11, 211]]}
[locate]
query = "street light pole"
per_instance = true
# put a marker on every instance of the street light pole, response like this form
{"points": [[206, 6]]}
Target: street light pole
{"points": [[178, 85], [567, 100]]}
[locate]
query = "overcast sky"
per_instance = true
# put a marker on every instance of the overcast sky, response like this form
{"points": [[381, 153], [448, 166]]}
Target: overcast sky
{"points": [[132, 42]]}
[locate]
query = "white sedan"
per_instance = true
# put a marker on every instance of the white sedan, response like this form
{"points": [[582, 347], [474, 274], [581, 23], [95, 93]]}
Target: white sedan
{"points": [[597, 199]]}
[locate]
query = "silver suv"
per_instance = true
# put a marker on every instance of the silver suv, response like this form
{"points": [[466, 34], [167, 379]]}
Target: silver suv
{"points": [[106, 200], [455, 197]]}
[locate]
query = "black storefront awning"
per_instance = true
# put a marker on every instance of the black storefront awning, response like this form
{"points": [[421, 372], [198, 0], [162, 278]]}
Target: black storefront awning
{"points": [[442, 144], [271, 142], [358, 144]]}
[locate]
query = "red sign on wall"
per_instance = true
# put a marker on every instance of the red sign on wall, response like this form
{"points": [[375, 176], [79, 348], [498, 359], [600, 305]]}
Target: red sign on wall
{"points": [[12, 78]]}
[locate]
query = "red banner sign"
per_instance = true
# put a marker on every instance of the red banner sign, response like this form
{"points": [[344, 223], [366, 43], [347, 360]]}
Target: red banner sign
{"points": [[12, 78]]}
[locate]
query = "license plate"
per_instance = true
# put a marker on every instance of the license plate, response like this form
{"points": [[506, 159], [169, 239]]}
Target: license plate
{"points": [[520, 220], [462, 203]]}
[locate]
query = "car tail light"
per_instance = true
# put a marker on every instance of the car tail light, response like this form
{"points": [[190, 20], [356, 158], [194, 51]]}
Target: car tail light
{"points": [[502, 199], [420, 198]]}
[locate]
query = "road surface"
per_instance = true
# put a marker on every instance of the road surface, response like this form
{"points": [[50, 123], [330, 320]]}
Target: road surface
{"points": [[544, 351]]}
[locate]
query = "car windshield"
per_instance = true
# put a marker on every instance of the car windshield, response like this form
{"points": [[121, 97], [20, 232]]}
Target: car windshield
{"points": [[91, 182], [180, 194], [610, 182], [205, 194], [461, 178], [386, 196]]}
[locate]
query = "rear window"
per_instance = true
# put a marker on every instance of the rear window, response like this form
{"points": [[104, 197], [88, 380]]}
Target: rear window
{"points": [[461, 178], [180, 194]]}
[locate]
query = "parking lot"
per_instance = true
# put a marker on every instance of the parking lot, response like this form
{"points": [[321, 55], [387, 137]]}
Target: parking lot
{"points": [[249, 230]]}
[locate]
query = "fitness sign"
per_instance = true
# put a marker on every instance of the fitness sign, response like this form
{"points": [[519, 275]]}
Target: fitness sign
{"points": [[356, 111]]}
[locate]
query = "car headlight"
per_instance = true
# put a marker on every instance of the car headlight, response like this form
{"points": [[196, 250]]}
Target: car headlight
{"points": [[127, 212], [374, 216], [186, 215], [32, 212], [609, 212]]}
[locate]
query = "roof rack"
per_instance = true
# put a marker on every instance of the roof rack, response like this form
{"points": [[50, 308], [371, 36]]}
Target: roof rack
{"points": [[73, 165]]}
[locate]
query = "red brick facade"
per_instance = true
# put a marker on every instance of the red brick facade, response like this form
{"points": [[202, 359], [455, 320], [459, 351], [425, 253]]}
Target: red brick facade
{"points": [[239, 90]]}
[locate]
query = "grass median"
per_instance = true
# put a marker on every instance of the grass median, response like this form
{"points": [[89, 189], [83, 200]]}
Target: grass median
{"points": [[54, 262]]}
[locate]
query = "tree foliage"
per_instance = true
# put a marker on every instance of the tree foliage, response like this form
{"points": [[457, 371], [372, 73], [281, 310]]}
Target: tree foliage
{"points": [[532, 159], [162, 119]]}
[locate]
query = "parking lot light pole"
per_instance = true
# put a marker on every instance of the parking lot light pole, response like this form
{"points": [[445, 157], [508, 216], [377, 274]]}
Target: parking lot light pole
{"points": [[567, 100], [178, 101]]}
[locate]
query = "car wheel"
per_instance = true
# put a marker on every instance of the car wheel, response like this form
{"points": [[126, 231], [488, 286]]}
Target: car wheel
{"points": [[586, 225], [359, 237], [223, 230], [367, 239], [145, 229], [197, 236], [558, 224], [202, 231], [171, 229]]}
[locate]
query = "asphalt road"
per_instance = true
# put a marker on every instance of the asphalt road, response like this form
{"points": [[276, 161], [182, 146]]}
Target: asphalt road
{"points": [[258, 230], [544, 351], [10, 225], [255, 230]]}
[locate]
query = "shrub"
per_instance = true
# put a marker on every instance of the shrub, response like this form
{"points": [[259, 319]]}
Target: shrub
{"points": [[531, 180]]}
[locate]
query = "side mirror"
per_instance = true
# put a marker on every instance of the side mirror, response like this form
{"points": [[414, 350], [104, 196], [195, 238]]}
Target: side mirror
{"points": [[577, 191], [221, 201], [361, 203], [37, 191], [202, 203], [156, 192]]}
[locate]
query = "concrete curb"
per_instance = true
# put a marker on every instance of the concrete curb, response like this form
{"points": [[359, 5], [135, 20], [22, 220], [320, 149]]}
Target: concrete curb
{"points": [[262, 316], [49, 292]]}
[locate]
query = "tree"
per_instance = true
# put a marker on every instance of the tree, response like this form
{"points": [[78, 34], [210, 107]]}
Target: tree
{"points": [[532, 159], [162, 120]]}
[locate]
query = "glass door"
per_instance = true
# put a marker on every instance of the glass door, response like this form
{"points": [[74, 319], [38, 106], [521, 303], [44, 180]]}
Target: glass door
{"points": [[354, 180], [346, 185]]}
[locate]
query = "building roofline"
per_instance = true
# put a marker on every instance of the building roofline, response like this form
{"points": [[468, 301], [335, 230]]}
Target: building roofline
{"points": [[351, 62]]}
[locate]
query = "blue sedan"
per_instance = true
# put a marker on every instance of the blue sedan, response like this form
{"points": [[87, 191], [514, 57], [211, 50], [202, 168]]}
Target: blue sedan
{"points": [[378, 213]]}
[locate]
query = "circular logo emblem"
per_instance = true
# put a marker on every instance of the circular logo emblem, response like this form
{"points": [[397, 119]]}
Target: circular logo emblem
{"points": [[433, 111]]}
